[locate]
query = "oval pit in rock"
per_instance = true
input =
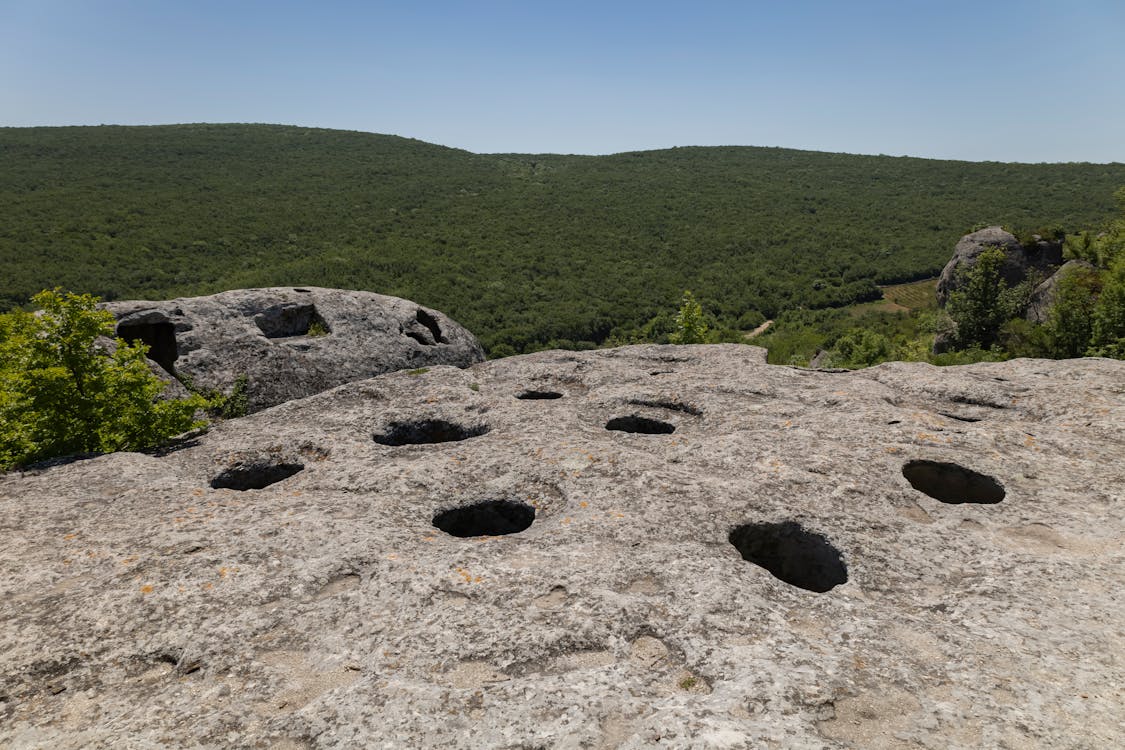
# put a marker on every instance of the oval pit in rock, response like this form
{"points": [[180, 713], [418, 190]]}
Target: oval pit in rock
{"points": [[952, 483], [640, 425], [537, 395], [427, 431], [254, 475], [486, 518], [792, 554]]}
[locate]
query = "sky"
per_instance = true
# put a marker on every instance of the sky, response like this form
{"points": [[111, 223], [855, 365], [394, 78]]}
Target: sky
{"points": [[995, 80]]}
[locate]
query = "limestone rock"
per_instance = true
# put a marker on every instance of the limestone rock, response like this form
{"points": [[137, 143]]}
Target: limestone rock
{"points": [[1041, 300], [677, 547], [291, 342], [1019, 261]]}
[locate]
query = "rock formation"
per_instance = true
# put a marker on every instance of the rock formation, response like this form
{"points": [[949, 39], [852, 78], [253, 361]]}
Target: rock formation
{"points": [[290, 343], [1043, 297], [641, 547], [1019, 261]]}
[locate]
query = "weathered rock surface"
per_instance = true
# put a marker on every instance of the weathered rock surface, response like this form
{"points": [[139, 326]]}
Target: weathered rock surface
{"points": [[292, 342], [945, 544], [1043, 298], [1019, 261]]}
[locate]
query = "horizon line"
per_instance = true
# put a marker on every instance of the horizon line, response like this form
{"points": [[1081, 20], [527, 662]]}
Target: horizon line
{"points": [[550, 153]]}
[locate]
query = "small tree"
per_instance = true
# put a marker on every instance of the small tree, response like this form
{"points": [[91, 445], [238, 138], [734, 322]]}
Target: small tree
{"points": [[690, 326], [1070, 322], [860, 347], [978, 307], [1109, 314], [60, 394]]}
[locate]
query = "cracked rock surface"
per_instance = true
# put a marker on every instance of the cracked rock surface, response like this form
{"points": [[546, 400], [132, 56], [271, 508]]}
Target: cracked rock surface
{"points": [[685, 548]]}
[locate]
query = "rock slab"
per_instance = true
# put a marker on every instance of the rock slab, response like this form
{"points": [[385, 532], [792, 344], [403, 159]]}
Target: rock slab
{"points": [[678, 547], [291, 342]]}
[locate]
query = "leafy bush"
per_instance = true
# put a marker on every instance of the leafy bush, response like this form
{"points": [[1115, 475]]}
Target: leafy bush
{"points": [[218, 404], [975, 306], [860, 347], [1109, 314], [690, 326], [61, 393], [1070, 322]]}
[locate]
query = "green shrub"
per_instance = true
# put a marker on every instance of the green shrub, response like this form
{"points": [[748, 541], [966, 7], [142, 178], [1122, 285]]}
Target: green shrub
{"points": [[61, 394], [976, 305], [1109, 313], [860, 347], [1070, 322], [690, 326], [217, 404]]}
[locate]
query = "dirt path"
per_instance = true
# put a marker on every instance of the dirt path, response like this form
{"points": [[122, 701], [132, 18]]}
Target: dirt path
{"points": [[758, 331]]}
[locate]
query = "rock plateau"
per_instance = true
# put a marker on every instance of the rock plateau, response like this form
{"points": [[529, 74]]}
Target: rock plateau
{"points": [[678, 547]]}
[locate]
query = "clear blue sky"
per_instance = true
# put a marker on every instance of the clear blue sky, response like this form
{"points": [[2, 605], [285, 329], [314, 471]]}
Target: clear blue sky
{"points": [[1008, 80]]}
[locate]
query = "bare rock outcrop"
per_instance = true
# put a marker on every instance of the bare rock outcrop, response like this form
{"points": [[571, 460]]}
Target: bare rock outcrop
{"points": [[678, 547], [1042, 256], [291, 342], [1043, 297]]}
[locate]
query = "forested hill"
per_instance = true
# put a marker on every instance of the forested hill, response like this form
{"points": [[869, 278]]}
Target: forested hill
{"points": [[525, 250]]}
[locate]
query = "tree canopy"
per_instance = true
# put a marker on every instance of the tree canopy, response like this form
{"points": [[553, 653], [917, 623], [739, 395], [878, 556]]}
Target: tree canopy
{"points": [[527, 251]]}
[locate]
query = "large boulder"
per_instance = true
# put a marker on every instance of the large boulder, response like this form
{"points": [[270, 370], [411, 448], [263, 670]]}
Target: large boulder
{"points": [[1043, 297], [291, 342], [647, 547], [1041, 256]]}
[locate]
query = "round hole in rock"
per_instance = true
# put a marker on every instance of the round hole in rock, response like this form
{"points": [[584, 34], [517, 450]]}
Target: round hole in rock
{"points": [[792, 554], [290, 319], [254, 475], [487, 518], [537, 395], [951, 483], [642, 425], [427, 431]]}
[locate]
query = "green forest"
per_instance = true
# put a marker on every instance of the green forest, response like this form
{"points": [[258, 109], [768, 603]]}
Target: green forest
{"points": [[527, 251]]}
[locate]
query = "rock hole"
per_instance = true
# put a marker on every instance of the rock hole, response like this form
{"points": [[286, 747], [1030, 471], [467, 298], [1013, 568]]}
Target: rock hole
{"points": [[427, 431], [792, 554], [430, 322], [536, 395], [160, 338], [254, 475], [425, 329], [669, 405], [951, 483], [642, 425], [488, 518], [291, 319]]}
